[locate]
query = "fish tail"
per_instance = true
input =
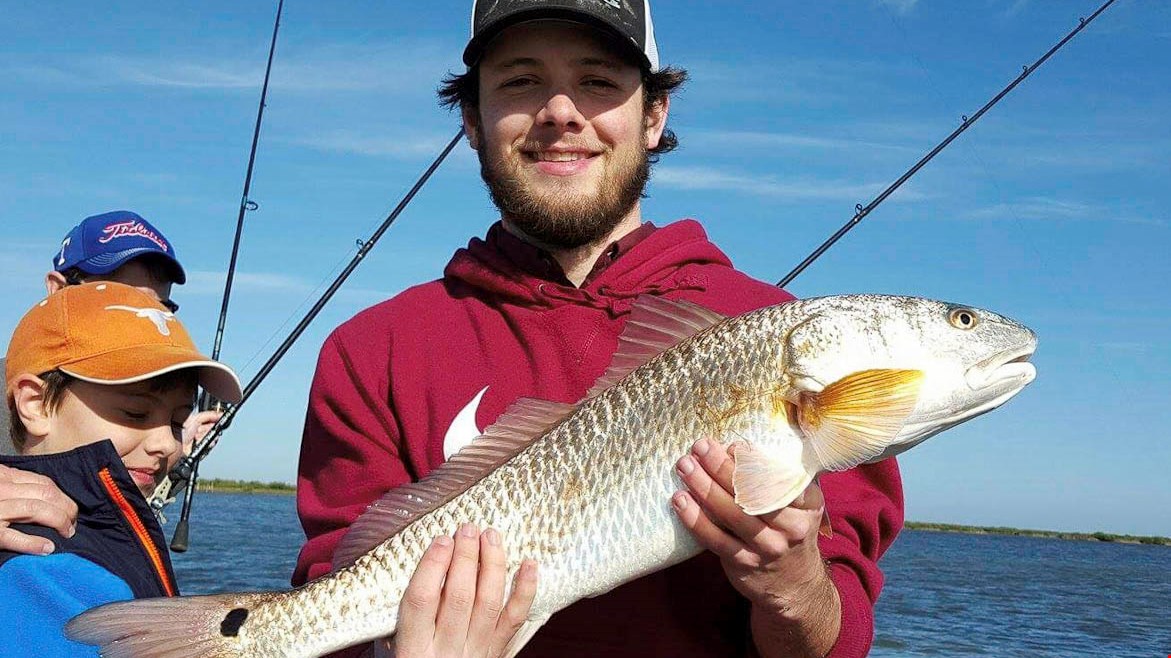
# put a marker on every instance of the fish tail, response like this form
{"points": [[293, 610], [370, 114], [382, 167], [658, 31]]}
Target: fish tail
{"points": [[180, 627]]}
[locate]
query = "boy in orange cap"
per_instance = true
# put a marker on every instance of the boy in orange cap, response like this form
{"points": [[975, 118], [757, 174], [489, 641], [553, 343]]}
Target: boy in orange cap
{"points": [[100, 378]]}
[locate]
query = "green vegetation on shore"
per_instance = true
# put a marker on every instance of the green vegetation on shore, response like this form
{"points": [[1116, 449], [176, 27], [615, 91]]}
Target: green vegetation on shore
{"points": [[249, 486], [254, 486], [1051, 534]]}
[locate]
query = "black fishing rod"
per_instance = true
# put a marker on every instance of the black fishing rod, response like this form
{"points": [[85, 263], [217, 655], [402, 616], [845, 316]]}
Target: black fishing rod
{"points": [[179, 542], [861, 211], [246, 204], [184, 471]]}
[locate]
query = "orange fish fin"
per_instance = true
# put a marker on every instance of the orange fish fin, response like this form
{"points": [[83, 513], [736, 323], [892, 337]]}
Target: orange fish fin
{"points": [[655, 324], [764, 482], [526, 420], [854, 419], [825, 529]]}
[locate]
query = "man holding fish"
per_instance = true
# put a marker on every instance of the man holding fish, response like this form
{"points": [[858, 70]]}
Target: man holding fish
{"points": [[605, 398], [566, 105]]}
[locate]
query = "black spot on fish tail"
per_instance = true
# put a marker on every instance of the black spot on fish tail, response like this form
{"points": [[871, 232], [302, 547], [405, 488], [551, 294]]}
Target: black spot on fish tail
{"points": [[230, 626]]}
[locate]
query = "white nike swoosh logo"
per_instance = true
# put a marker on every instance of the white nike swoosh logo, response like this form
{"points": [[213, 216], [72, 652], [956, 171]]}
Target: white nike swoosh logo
{"points": [[463, 429]]}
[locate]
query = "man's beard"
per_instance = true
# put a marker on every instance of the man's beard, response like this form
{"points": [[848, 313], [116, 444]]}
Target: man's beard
{"points": [[566, 219]]}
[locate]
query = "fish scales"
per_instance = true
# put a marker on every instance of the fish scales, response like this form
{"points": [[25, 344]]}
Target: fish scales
{"points": [[589, 499], [580, 540]]}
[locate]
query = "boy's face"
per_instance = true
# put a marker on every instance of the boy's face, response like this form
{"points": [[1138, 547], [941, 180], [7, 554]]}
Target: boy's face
{"points": [[144, 425]]}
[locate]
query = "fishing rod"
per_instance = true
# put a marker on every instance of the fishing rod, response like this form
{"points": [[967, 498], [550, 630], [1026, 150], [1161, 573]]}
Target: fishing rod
{"points": [[179, 543], [246, 204], [183, 472], [861, 211]]}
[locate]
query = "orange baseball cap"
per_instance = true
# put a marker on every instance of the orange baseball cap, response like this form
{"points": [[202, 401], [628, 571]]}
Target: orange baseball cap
{"points": [[110, 333]]}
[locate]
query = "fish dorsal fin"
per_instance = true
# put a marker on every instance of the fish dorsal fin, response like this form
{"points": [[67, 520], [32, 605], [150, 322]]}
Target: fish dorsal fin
{"points": [[526, 420], [655, 325], [854, 419]]}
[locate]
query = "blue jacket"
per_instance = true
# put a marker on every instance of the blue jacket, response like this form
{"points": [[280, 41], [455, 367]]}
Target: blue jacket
{"points": [[118, 553]]}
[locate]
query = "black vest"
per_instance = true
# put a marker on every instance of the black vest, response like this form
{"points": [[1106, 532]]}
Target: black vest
{"points": [[115, 526]]}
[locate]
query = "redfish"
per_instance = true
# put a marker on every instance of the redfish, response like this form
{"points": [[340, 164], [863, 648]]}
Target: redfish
{"points": [[584, 489]]}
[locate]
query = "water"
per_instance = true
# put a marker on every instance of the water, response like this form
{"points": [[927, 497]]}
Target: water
{"points": [[952, 594], [238, 542], [946, 594]]}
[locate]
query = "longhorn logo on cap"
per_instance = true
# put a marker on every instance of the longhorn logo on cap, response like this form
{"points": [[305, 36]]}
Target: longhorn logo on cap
{"points": [[157, 316]]}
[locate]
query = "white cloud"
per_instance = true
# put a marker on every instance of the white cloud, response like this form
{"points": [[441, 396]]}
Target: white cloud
{"points": [[791, 81], [205, 282], [706, 178], [766, 140], [1127, 347], [177, 74], [1045, 208], [1016, 7], [331, 68], [349, 141], [901, 6]]}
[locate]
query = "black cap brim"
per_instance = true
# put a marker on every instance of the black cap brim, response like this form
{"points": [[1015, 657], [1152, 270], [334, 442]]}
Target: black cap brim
{"points": [[478, 43]]}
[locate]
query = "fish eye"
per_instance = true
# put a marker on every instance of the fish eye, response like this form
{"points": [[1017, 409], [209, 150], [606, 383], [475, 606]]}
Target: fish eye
{"points": [[963, 318]]}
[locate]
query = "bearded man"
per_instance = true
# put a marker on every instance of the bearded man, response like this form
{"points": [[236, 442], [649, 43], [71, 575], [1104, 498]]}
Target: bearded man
{"points": [[566, 106]]}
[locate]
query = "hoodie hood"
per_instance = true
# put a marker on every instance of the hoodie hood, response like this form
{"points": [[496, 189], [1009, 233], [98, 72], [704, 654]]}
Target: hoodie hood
{"points": [[668, 259]]}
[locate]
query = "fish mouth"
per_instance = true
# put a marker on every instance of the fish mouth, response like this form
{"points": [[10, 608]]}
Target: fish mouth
{"points": [[1008, 367], [993, 381]]}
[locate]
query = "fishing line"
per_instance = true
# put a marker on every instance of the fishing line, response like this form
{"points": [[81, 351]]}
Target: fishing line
{"points": [[860, 211], [179, 541], [312, 294], [1026, 238], [182, 474]]}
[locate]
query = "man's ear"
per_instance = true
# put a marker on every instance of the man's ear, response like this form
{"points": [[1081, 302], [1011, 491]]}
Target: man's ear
{"points": [[656, 121], [471, 118], [54, 281], [28, 394]]}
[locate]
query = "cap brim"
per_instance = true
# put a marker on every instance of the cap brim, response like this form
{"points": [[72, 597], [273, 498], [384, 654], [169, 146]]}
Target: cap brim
{"points": [[153, 360], [476, 46], [106, 263]]}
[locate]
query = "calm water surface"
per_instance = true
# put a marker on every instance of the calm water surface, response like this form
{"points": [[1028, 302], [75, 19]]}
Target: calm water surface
{"points": [[946, 594]]}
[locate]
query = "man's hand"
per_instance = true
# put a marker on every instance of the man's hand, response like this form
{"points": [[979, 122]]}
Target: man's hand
{"points": [[454, 605], [772, 559], [32, 498], [197, 425]]}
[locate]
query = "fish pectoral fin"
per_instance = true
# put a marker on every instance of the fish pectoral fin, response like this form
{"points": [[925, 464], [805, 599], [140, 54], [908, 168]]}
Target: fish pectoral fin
{"points": [[762, 482], [854, 419], [825, 529], [525, 633]]}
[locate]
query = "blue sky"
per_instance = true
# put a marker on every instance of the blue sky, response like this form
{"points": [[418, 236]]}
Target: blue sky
{"points": [[1052, 210]]}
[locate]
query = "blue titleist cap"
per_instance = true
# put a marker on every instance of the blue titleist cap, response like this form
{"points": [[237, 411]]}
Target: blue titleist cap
{"points": [[103, 243]]}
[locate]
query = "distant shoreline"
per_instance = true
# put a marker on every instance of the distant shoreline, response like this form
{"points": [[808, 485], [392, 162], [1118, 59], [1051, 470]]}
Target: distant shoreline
{"points": [[1048, 534], [281, 488], [245, 486]]}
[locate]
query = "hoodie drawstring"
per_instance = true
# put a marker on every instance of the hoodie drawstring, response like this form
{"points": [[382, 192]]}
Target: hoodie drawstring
{"points": [[618, 302]]}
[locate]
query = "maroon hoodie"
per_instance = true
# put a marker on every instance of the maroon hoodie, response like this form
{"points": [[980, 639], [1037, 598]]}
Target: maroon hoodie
{"points": [[504, 321]]}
